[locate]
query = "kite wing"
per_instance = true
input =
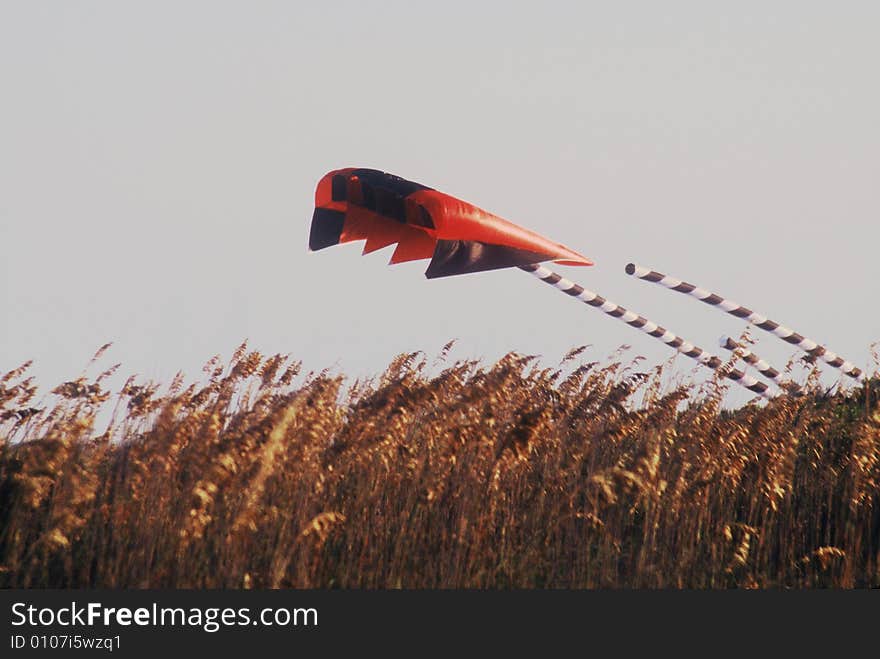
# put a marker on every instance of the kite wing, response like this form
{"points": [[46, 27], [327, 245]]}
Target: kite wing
{"points": [[382, 209]]}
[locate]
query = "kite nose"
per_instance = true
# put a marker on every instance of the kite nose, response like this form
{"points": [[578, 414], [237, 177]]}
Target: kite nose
{"points": [[571, 257]]}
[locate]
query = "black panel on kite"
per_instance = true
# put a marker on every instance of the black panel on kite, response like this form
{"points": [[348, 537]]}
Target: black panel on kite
{"points": [[326, 228], [453, 257]]}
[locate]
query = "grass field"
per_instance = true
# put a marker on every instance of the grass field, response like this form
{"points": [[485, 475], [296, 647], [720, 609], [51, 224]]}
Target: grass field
{"points": [[436, 475]]}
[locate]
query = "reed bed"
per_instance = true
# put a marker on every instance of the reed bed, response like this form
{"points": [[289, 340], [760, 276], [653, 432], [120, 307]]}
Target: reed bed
{"points": [[436, 474]]}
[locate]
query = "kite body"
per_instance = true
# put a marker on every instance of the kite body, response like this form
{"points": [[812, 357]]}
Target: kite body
{"points": [[382, 209]]}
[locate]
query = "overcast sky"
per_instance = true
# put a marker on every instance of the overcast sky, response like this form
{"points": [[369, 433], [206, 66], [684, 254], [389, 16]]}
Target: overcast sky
{"points": [[158, 163]]}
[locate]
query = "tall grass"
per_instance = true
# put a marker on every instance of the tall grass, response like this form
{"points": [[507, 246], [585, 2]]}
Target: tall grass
{"points": [[432, 476]]}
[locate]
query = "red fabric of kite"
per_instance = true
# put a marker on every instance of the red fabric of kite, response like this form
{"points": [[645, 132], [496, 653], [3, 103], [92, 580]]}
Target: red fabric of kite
{"points": [[383, 209]]}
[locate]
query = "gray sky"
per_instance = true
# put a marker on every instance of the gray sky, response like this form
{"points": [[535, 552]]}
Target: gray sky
{"points": [[158, 163]]}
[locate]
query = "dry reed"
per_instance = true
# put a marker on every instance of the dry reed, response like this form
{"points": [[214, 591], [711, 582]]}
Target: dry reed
{"points": [[509, 475]]}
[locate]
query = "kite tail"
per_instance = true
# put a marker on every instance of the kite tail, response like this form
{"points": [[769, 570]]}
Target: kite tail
{"points": [[734, 309], [634, 320], [759, 364]]}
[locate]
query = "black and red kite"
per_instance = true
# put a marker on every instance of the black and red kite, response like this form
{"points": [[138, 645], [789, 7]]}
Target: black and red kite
{"points": [[383, 209]]}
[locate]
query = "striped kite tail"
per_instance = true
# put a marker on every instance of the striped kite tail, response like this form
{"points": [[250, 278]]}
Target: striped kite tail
{"points": [[634, 320], [735, 309], [759, 365]]}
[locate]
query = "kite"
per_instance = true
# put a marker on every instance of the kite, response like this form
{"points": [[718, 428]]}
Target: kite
{"points": [[381, 209], [459, 238]]}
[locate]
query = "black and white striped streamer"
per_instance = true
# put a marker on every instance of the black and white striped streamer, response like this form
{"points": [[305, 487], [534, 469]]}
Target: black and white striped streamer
{"points": [[635, 320], [735, 309], [759, 364]]}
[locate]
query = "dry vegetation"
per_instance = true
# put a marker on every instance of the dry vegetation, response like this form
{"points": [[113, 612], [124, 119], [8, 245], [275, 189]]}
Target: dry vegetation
{"points": [[436, 475]]}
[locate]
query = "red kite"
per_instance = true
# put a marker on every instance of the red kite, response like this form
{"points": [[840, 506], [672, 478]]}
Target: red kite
{"points": [[383, 209]]}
